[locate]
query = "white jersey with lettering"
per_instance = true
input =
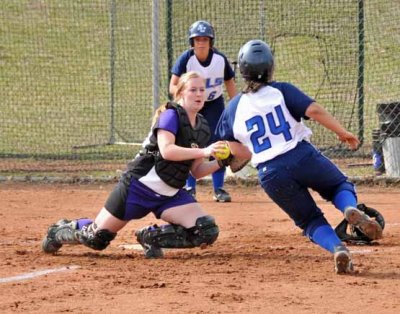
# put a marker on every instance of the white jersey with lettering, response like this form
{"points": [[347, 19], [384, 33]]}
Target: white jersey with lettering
{"points": [[268, 122], [215, 70]]}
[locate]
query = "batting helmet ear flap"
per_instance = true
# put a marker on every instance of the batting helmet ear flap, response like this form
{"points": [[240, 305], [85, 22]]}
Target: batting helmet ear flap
{"points": [[350, 234]]}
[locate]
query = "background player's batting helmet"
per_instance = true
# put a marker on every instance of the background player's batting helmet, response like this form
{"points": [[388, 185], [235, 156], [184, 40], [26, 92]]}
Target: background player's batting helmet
{"points": [[201, 29], [256, 61]]}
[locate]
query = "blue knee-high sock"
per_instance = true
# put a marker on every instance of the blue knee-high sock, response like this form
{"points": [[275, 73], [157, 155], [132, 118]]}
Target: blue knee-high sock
{"points": [[326, 238], [344, 199], [191, 182], [83, 222], [218, 178]]}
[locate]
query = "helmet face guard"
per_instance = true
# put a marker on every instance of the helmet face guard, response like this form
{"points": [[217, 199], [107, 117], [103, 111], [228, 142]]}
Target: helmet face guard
{"points": [[201, 29], [256, 61], [353, 235]]}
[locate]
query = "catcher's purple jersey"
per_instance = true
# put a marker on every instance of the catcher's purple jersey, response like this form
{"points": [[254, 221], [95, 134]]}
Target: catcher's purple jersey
{"points": [[267, 122]]}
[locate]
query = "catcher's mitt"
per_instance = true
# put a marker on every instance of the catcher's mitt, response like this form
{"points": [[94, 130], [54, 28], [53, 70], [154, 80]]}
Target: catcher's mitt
{"points": [[355, 236], [234, 163]]}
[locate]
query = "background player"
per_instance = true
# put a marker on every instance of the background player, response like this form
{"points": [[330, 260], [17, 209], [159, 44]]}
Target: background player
{"points": [[267, 119], [202, 57], [154, 183]]}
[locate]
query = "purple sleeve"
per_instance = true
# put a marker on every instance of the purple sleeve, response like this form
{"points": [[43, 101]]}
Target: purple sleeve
{"points": [[169, 121]]}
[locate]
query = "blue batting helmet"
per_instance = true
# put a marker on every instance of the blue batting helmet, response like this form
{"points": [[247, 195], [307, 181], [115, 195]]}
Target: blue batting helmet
{"points": [[256, 61], [201, 29]]}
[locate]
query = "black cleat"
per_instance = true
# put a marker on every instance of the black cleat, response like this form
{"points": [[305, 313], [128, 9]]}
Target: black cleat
{"points": [[371, 228], [191, 191], [62, 232], [220, 195], [343, 263]]}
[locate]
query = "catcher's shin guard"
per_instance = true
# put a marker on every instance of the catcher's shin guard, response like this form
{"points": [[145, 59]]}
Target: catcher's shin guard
{"points": [[95, 239], [150, 250], [153, 238], [62, 232]]}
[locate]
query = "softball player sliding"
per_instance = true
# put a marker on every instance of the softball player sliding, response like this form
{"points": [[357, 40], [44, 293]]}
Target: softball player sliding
{"points": [[203, 58], [264, 122]]}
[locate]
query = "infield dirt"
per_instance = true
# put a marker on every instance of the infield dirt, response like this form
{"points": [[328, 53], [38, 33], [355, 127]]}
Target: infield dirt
{"points": [[260, 263]]}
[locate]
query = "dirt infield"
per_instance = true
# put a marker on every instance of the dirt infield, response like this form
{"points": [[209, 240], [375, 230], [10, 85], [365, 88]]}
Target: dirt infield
{"points": [[260, 264]]}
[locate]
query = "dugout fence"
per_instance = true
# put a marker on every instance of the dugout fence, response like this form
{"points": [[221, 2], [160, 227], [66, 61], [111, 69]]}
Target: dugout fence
{"points": [[81, 78]]}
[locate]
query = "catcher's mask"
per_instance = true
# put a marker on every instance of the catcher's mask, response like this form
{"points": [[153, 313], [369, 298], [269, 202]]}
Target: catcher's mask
{"points": [[355, 235]]}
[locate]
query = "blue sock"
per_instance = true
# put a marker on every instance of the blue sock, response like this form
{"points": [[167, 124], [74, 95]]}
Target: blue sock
{"points": [[326, 238], [344, 199], [218, 178], [191, 182], [83, 222]]}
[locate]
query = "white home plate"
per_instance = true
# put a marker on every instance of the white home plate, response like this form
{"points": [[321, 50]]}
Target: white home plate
{"points": [[136, 247], [37, 273]]}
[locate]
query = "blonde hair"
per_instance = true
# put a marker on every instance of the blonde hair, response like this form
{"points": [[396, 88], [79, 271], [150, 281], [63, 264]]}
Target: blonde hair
{"points": [[183, 80], [157, 113]]}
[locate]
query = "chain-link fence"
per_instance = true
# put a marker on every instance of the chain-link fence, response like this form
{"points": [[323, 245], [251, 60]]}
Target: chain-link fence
{"points": [[77, 76]]}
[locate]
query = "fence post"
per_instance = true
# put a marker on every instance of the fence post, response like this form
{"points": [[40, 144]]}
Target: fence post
{"points": [[155, 55]]}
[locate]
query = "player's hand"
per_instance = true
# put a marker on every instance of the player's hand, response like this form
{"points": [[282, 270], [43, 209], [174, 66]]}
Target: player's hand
{"points": [[214, 148], [349, 139]]}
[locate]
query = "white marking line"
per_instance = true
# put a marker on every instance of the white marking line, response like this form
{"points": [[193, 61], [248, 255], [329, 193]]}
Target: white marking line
{"points": [[37, 273], [360, 251]]}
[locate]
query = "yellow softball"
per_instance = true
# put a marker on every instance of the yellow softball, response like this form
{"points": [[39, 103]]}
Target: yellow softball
{"points": [[223, 153]]}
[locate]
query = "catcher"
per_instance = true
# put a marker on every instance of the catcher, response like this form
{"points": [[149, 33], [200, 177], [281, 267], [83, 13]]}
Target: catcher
{"points": [[154, 183], [264, 123]]}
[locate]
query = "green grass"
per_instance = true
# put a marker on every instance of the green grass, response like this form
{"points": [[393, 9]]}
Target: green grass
{"points": [[55, 83]]}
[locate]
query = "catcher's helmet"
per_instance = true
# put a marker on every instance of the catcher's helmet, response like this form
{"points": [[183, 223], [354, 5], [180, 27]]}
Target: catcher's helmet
{"points": [[201, 29], [355, 235], [256, 61]]}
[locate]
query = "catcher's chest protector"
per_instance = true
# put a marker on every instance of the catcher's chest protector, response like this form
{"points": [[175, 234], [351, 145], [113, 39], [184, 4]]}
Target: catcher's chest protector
{"points": [[175, 173]]}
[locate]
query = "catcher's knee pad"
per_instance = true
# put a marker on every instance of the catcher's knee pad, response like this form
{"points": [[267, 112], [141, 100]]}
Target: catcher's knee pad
{"points": [[313, 225], [97, 240], [204, 232], [174, 236]]}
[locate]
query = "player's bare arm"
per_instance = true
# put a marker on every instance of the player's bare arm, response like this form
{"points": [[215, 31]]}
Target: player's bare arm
{"points": [[231, 88], [172, 84], [322, 116], [170, 151], [201, 168]]}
